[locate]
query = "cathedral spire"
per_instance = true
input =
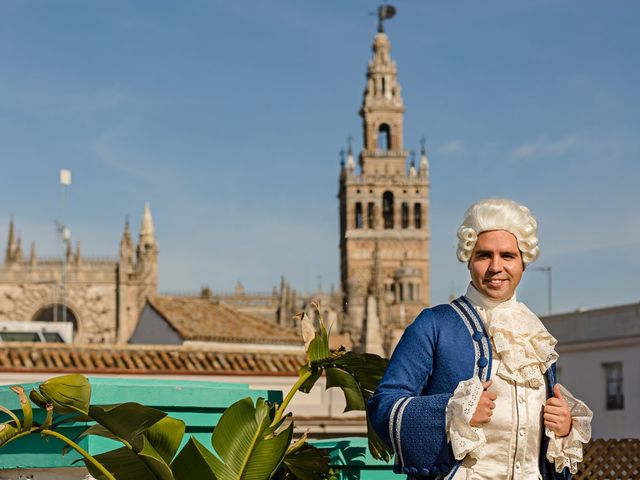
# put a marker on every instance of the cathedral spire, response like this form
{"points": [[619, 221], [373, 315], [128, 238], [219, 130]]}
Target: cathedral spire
{"points": [[351, 164], [147, 232], [18, 257], [424, 161], [11, 244], [32, 254]]}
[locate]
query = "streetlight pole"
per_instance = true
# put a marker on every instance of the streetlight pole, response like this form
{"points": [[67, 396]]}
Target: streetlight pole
{"points": [[549, 290], [65, 233]]}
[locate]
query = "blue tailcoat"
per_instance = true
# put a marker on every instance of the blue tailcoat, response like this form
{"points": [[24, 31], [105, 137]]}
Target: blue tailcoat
{"points": [[445, 345]]}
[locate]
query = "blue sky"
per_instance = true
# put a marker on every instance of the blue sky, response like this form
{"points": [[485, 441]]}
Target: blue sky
{"points": [[228, 118]]}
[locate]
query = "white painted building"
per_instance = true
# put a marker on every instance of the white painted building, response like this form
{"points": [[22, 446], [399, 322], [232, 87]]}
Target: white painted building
{"points": [[600, 364]]}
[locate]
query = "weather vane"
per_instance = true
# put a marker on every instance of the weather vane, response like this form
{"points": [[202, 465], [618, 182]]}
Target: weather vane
{"points": [[385, 12]]}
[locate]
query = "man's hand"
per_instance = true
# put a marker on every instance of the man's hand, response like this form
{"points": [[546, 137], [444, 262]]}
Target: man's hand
{"points": [[485, 407], [556, 414]]}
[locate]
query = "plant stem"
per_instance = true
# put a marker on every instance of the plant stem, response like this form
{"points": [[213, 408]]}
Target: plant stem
{"points": [[80, 450], [287, 399]]}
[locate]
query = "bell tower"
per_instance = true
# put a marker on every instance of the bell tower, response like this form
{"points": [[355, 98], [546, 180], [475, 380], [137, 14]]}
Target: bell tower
{"points": [[384, 214]]}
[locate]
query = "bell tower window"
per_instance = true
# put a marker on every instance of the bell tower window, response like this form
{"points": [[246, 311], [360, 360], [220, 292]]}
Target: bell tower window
{"points": [[384, 137], [405, 215], [370, 215], [387, 209], [417, 215], [359, 223]]}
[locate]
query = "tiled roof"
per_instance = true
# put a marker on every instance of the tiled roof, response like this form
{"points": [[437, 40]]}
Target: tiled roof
{"points": [[207, 320], [136, 359]]}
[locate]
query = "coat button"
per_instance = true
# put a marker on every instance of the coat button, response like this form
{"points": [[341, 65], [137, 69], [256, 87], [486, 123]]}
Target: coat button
{"points": [[405, 469], [413, 471], [483, 362], [424, 471], [477, 336]]}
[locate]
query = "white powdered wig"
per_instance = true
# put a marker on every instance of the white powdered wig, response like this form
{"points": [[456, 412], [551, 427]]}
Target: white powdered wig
{"points": [[499, 214]]}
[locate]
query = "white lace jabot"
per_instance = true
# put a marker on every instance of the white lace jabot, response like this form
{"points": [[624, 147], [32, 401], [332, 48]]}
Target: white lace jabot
{"points": [[523, 343]]}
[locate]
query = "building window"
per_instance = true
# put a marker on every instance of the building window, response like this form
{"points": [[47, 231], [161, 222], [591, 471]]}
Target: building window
{"points": [[371, 212], [358, 215], [384, 137], [405, 215], [56, 313], [613, 376], [417, 215], [387, 209]]}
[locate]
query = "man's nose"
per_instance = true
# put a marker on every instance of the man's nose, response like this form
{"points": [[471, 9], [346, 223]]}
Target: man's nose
{"points": [[496, 264]]}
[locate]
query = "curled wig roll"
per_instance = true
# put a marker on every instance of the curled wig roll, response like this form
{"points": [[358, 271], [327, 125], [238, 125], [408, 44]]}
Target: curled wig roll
{"points": [[499, 214]]}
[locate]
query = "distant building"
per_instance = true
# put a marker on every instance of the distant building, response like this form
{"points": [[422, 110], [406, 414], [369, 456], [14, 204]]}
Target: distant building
{"points": [[101, 298], [600, 363], [384, 217]]}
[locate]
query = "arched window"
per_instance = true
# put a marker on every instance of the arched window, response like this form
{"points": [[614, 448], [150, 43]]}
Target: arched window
{"points": [[387, 209], [370, 215], [405, 215], [417, 215], [358, 215], [384, 137], [56, 313]]}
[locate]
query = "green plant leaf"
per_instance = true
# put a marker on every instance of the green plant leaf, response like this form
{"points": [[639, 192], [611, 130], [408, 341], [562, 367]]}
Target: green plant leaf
{"points": [[99, 430], [311, 381], [13, 416], [194, 462], [7, 432], [126, 420], [316, 346], [27, 412], [306, 462], [240, 442], [165, 436], [123, 464], [349, 386], [38, 399], [67, 393], [154, 461]]}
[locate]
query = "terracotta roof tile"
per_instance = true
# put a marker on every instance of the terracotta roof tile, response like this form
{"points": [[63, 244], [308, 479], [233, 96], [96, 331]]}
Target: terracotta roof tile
{"points": [[207, 320], [147, 359]]}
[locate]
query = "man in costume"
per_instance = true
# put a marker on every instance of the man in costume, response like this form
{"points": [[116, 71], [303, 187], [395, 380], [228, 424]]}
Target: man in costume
{"points": [[470, 391]]}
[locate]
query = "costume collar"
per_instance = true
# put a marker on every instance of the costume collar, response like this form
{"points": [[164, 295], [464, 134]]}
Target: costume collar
{"points": [[523, 344]]}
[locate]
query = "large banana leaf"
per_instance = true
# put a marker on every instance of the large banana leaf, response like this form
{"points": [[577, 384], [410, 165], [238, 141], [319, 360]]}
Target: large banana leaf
{"points": [[126, 420], [194, 462], [124, 464], [153, 438], [67, 394], [305, 462], [246, 445], [166, 436]]}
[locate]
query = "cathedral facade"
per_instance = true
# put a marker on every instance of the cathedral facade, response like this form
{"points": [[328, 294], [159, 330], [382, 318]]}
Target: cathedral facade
{"points": [[384, 216], [102, 298]]}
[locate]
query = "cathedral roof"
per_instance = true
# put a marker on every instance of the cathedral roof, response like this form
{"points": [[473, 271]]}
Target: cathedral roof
{"points": [[143, 359], [201, 319]]}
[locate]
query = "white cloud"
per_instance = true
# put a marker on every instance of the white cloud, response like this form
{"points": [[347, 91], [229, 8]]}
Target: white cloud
{"points": [[545, 147], [452, 147]]}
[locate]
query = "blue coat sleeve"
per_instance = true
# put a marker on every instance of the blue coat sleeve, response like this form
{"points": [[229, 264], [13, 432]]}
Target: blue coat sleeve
{"points": [[408, 418]]}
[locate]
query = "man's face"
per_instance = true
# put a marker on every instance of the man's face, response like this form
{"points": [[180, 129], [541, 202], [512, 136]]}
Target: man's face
{"points": [[496, 264]]}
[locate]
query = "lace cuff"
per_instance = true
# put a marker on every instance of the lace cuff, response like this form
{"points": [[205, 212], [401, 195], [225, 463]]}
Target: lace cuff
{"points": [[464, 438], [567, 451]]}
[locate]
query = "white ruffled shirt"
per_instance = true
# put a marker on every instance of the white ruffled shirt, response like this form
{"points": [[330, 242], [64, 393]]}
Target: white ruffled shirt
{"points": [[507, 447]]}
